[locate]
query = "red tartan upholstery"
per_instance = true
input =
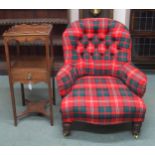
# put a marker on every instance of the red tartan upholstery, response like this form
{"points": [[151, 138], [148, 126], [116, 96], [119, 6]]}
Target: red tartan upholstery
{"points": [[102, 100], [134, 79], [97, 83]]}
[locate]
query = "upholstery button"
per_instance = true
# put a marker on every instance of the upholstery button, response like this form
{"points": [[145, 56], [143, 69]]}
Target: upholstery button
{"points": [[91, 54], [112, 54], [101, 40], [101, 54], [82, 53], [96, 47], [113, 39], [118, 47], [107, 31], [85, 46]]}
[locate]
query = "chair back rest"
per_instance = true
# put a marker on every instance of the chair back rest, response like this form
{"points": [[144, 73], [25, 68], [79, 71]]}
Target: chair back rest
{"points": [[96, 44]]}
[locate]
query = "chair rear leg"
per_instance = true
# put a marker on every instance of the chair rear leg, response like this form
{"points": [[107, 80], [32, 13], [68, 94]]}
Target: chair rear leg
{"points": [[136, 126], [66, 129]]}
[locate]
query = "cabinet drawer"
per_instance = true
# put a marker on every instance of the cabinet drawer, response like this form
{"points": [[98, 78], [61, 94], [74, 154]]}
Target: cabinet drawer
{"points": [[27, 75]]}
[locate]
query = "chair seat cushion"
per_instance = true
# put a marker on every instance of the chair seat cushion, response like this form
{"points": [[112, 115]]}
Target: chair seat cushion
{"points": [[102, 100]]}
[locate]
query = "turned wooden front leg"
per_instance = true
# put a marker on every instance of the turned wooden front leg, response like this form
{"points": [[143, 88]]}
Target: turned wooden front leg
{"points": [[136, 126], [66, 129]]}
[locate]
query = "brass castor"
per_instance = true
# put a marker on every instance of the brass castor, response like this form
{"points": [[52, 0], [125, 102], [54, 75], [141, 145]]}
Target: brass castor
{"points": [[66, 129], [136, 136], [136, 129], [66, 133]]}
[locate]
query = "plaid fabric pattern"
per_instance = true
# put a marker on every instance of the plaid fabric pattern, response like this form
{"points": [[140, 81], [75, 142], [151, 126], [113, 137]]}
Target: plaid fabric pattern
{"points": [[97, 82], [66, 78], [83, 39], [134, 79], [102, 100], [68, 74]]}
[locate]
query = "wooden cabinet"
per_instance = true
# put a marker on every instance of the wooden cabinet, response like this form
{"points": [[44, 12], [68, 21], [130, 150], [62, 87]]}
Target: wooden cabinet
{"points": [[142, 28], [28, 69], [58, 17]]}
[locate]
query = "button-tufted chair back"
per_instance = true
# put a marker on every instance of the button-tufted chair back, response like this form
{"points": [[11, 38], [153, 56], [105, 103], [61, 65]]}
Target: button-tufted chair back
{"points": [[97, 44]]}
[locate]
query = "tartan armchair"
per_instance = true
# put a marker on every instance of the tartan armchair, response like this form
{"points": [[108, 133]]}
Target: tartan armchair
{"points": [[98, 83]]}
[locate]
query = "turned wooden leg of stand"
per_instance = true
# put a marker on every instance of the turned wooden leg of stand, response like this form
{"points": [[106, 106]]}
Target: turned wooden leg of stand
{"points": [[13, 103], [66, 129], [53, 85], [50, 90], [136, 129], [23, 94]]}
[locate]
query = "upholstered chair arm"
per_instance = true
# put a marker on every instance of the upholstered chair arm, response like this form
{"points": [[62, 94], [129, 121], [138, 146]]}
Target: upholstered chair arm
{"points": [[135, 79], [65, 78]]}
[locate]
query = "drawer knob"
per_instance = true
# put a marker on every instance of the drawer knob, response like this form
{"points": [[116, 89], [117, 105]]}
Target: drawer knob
{"points": [[29, 76]]}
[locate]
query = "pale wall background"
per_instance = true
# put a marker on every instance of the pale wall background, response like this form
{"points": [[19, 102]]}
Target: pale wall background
{"points": [[122, 15]]}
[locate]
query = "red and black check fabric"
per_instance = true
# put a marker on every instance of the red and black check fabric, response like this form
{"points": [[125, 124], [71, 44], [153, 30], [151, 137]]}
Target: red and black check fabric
{"points": [[102, 100], [97, 83], [134, 79], [96, 40], [66, 78], [130, 75], [68, 74]]}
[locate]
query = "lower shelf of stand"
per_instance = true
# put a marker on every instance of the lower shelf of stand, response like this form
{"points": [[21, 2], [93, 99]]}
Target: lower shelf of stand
{"points": [[33, 107]]}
